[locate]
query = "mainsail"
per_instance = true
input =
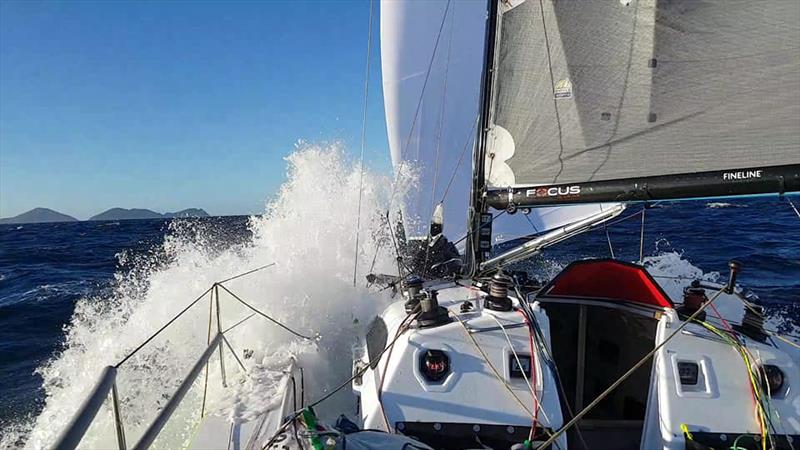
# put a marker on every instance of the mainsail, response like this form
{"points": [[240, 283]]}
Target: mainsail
{"points": [[431, 58], [643, 99]]}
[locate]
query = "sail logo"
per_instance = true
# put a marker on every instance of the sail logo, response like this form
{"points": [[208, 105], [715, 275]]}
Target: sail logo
{"points": [[742, 175], [555, 191], [563, 89]]}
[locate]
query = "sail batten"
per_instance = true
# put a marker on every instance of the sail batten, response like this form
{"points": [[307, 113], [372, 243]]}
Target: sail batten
{"points": [[605, 95]]}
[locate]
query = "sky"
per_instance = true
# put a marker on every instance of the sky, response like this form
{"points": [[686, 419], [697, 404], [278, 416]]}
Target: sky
{"points": [[171, 105]]}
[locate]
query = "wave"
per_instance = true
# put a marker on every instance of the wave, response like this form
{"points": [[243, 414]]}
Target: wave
{"points": [[720, 205], [308, 230]]}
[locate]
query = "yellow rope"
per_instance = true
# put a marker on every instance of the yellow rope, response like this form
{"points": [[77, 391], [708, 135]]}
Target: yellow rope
{"points": [[759, 408], [788, 341]]}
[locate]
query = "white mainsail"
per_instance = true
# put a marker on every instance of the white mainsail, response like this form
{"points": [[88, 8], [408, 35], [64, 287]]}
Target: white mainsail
{"points": [[431, 59]]}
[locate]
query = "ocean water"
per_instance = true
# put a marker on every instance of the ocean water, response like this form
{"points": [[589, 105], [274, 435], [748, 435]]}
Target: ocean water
{"points": [[75, 297]]}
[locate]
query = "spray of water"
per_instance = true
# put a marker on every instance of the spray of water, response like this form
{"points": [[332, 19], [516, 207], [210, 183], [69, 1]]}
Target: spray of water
{"points": [[308, 230]]}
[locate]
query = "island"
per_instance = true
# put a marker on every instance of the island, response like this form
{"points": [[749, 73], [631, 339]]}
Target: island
{"points": [[46, 215], [126, 214], [39, 215], [136, 213]]}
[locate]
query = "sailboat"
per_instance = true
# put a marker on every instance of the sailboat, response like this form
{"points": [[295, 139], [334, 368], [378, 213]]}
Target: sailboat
{"points": [[574, 111]]}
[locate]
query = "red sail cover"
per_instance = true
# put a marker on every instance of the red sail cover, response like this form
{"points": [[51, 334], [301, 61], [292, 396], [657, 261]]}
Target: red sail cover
{"points": [[608, 279]]}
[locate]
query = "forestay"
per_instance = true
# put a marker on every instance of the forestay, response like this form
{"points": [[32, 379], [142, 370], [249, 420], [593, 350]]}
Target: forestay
{"points": [[680, 99]]}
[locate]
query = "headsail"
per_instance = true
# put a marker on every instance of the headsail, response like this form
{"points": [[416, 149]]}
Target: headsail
{"points": [[431, 58], [643, 99]]}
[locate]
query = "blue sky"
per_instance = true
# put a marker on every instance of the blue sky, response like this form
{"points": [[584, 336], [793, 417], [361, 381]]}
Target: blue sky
{"points": [[170, 105]]}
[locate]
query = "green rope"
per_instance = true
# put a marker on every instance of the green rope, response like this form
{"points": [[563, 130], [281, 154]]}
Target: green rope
{"points": [[311, 423]]}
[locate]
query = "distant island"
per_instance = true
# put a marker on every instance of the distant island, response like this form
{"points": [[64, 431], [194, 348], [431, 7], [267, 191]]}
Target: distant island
{"points": [[135, 213], [39, 215], [45, 215]]}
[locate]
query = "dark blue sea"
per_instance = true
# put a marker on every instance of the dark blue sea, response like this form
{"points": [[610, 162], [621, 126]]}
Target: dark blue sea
{"points": [[46, 268]]}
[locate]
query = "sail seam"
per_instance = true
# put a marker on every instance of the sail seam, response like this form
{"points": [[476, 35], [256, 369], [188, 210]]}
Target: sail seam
{"points": [[553, 89]]}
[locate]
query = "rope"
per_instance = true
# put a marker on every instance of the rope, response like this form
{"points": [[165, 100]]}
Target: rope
{"points": [[608, 238], [535, 230], [363, 142], [629, 216], [346, 383], [441, 118], [491, 366], [541, 345], [754, 384], [238, 323], [477, 229], [438, 139], [413, 123], [641, 239], [400, 330], [793, 207], [505, 384], [265, 266], [266, 316], [630, 371], [460, 159], [116, 366], [788, 341], [537, 404], [398, 256], [233, 352]]}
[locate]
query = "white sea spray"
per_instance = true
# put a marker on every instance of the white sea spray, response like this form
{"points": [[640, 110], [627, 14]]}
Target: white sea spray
{"points": [[308, 231]]}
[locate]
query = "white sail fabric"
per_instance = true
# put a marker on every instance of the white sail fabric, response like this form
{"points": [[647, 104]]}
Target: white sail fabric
{"points": [[431, 125], [594, 90]]}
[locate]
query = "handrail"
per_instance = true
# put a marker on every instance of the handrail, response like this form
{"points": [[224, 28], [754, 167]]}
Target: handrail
{"points": [[152, 431], [73, 433]]}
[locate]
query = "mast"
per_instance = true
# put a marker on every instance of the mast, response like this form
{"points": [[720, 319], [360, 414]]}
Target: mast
{"points": [[479, 228]]}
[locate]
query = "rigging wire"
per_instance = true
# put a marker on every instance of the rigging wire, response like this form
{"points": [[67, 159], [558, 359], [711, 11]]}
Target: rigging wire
{"points": [[630, 371], [330, 394], [536, 230], [504, 382], [400, 165], [460, 159], [608, 239], [629, 216], [781, 336], [641, 237], [440, 128], [153, 336], [308, 338], [257, 269], [536, 403], [541, 345], [440, 124], [491, 366], [363, 142], [470, 232], [791, 203], [238, 323], [400, 330], [755, 388]]}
